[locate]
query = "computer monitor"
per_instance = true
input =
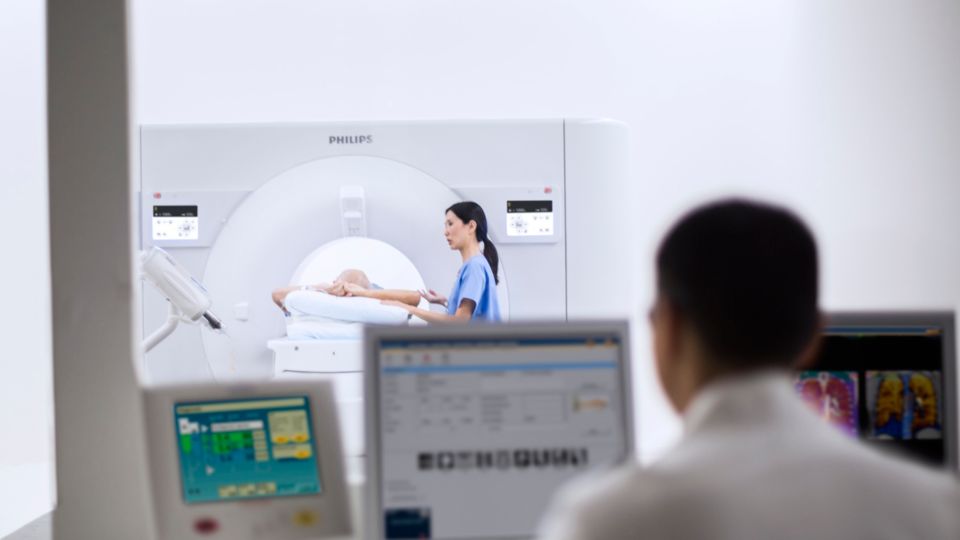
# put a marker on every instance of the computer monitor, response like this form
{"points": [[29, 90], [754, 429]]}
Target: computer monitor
{"points": [[889, 379], [472, 429], [246, 461]]}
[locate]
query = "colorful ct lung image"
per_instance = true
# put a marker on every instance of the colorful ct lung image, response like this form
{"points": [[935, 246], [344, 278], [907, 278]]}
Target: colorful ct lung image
{"points": [[833, 395], [904, 404]]}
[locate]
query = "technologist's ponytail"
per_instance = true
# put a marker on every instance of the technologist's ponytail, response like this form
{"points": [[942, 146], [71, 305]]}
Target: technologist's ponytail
{"points": [[490, 253], [469, 211]]}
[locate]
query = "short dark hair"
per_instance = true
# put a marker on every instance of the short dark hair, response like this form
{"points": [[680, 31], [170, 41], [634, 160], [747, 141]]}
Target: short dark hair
{"points": [[745, 275]]}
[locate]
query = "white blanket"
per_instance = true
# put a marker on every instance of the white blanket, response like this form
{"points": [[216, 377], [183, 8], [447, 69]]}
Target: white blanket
{"points": [[319, 307]]}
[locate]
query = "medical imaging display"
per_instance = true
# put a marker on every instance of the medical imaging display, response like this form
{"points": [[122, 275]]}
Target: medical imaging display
{"points": [[884, 385], [477, 436], [833, 395], [904, 404], [246, 449]]}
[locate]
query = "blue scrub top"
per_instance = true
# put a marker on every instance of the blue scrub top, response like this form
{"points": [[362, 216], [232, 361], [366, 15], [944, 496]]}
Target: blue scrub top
{"points": [[475, 281]]}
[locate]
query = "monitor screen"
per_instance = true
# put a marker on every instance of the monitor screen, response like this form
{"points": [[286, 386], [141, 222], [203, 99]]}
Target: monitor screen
{"points": [[246, 449], [885, 384], [476, 435]]}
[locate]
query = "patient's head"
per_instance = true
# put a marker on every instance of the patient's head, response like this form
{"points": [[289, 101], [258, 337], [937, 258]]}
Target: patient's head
{"points": [[357, 277], [736, 292]]}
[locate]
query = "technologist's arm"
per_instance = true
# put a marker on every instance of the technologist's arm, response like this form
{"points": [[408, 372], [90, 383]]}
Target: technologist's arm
{"points": [[411, 298], [464, 312]]}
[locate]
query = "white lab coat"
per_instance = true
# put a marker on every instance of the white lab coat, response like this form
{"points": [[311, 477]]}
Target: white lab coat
{"points": [[756, 464]]}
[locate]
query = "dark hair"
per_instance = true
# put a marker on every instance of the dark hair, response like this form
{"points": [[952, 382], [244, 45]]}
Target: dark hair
{"points": [[745, 275], [469, 211]]}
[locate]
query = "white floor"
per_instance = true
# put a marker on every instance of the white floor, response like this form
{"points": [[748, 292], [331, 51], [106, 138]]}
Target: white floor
{"points": [[27, 495]]}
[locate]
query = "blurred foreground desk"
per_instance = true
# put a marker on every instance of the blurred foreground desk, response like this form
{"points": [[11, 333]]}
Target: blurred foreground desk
{"points": [[38, 529], [42, 527]]}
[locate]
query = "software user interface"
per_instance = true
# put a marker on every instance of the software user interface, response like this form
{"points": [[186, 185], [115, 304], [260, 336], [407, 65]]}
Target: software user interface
{"points": [[246, 449], [883, 384], [476, 436]]}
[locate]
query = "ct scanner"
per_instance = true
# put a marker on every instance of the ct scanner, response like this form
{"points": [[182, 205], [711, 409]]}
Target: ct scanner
{"points": [[250, 208]]}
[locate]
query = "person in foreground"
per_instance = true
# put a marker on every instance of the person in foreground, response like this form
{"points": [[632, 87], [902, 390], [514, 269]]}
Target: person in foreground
{"points": [[736, 311]]}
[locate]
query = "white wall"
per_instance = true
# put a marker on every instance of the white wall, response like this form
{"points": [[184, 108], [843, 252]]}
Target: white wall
{"points": [[846, 111], [26, 407]]}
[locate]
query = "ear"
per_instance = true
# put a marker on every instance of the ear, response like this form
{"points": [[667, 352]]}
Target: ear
{"points": [[472, 225], [668, 344], [676, 326], [667, 328], [811, 352]]}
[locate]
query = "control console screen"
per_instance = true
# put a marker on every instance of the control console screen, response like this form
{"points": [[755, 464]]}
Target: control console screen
{"points": [[246, 449], [529, 218], [175, 223]]}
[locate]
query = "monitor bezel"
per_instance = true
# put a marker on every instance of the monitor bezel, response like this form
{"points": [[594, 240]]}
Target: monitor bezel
{"points": [[374, 335], [942, 319], [174, 516]]}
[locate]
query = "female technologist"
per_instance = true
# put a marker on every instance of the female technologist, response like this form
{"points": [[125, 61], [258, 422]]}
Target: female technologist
{"points": [[474, 294]]}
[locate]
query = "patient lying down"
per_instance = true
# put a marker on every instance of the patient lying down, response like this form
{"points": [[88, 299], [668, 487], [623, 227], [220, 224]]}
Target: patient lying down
{"points": [[350, 282], [323, 302]]}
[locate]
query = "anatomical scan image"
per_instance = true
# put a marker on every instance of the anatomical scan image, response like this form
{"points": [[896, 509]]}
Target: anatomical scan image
{"points": [[904, 404], [833, 396]]}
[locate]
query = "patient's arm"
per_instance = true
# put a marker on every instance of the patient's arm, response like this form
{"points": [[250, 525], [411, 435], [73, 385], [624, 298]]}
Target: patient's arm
{"points": [[329, 288], [279, 295], [411, 298]]}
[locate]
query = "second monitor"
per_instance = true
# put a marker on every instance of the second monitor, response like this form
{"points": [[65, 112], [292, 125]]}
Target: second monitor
{"points": [[889, 379]]}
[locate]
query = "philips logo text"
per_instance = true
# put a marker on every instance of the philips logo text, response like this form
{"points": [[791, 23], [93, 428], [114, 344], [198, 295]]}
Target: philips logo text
{"points": [[351, 139]]}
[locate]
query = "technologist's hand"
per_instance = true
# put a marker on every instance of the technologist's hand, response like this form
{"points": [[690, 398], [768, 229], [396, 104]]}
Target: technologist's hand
{"points": [[433, 297], [352, 289]]}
